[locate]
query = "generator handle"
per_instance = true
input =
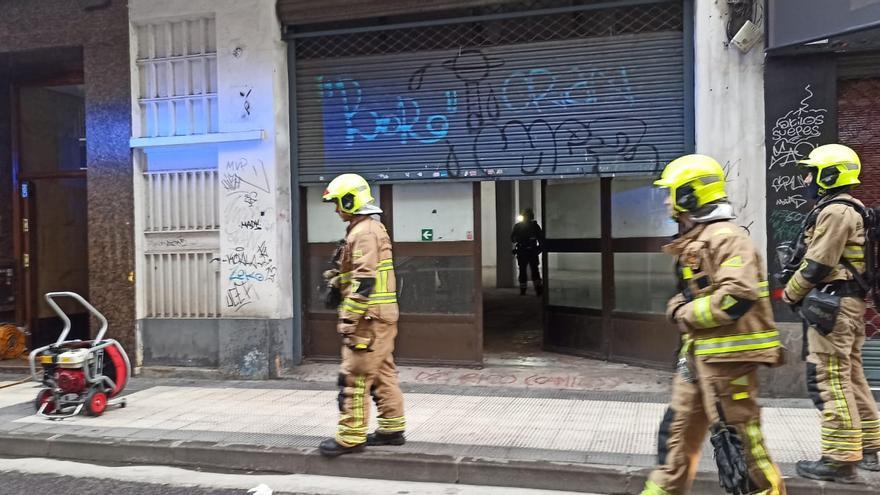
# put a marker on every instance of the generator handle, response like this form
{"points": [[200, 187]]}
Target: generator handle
{"points": [[50, 299]]}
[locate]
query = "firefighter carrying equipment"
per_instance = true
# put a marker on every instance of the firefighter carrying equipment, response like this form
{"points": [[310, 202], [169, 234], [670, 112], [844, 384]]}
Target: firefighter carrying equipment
{"points": [[724, 314], [13, 341], [835, 166], [350, 192], [367, 325], [834, 261], [693, 182]]}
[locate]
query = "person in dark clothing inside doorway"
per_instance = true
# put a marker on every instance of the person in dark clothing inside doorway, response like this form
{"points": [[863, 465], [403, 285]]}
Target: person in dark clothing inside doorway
{"points": [[528, 240]]}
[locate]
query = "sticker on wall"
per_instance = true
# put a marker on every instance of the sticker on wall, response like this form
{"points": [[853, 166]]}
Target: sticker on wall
{"points": [[469, 235], [427, 234]]}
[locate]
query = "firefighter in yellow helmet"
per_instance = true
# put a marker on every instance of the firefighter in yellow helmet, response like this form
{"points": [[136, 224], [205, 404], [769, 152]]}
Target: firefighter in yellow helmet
{"points": [[726, 323], [829, 286], [367, 323]]}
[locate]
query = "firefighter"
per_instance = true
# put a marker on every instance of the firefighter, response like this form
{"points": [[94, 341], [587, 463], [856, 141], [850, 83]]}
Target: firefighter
{"points": [[527, 238], [723, 314], [367, 323], [834, 263]]}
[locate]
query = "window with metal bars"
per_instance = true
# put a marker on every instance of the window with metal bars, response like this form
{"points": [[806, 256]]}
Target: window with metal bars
{"points": [[657, 17], [177, 70]]}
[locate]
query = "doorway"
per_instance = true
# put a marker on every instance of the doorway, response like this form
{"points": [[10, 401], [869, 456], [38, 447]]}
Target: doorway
{"points": [[50, 203], [513, 323]]}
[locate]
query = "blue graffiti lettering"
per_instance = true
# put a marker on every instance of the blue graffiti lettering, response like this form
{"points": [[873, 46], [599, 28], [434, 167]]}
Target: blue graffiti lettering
{"points": [[241, 275], [536, 87], [405, 123]]}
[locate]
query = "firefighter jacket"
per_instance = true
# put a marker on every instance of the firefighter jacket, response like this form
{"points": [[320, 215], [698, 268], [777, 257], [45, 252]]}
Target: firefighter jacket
{"points": [[838, 234], [528, 237], [724, 305], [367, 276]]}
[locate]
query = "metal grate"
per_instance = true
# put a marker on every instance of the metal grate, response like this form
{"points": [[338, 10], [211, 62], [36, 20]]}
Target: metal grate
{"points": [[182, 201], [182, 244], [594, 23], [177, 71], [182, 285]]}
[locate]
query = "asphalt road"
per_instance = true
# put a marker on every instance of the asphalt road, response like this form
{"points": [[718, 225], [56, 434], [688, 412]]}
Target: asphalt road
{"points": [[55, 477], [20, 484]]}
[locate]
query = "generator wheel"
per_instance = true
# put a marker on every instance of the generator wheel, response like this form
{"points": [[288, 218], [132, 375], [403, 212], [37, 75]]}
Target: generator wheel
{"points": [[96, 403], [44, 396]]}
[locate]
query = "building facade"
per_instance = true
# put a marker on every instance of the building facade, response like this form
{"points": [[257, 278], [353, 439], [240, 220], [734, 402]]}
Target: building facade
{"points": [[230, 117], [456, 111], [67, 208]]}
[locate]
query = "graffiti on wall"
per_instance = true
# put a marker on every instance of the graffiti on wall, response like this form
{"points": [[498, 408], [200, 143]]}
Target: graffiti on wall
{"points": [[793, 136], [249, 222], [476, 114], [797, 120]]}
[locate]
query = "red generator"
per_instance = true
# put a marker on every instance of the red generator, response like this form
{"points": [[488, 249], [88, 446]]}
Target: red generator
{"points": [[79, 375]]}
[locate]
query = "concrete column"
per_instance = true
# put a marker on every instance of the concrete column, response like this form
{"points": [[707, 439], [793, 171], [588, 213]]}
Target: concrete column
{"points": [[505, 216]]}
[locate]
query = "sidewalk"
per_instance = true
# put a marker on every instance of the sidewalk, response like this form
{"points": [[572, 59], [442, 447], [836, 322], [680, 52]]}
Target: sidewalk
{"points": [[552, 437]]}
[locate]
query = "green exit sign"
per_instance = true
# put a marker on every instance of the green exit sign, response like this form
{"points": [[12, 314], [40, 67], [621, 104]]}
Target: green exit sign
{"points": [[427, 234]]}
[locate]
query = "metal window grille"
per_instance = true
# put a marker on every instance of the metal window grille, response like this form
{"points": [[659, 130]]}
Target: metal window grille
{"points": [[182, 279], [614, 21], [177, 70], [182, 285], [185, 200]]}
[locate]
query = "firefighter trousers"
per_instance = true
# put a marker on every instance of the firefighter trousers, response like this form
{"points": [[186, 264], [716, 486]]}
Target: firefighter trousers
{"points": [[529, 262], [369, 372], [837, 385], [692, 411]]}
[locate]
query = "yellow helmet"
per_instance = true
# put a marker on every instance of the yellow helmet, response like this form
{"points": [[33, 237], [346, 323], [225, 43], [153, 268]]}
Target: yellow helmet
{"points": [[351, 192], [836, 166], [693, 181]]}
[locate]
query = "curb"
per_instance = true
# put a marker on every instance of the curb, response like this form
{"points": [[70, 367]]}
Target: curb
{"points": [[375, 464]]}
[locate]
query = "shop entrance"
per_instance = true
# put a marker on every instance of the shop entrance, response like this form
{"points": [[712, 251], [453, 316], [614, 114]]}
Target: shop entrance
{"points": [[513, 323], [46, 240], [52, 205], [605, 280]]}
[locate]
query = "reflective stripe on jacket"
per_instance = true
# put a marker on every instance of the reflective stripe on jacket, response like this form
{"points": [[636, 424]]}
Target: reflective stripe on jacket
{"points": [[724, 301]]}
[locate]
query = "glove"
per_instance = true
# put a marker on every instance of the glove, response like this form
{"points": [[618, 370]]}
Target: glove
{"points": [[795, 306], [357, 344]]}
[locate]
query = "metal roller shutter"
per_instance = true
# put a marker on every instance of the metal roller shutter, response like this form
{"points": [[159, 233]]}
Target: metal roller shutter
{"points": [[549, 96], [859, 128]]}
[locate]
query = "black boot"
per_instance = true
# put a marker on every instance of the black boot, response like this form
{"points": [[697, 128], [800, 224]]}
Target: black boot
{"points": [[870, 460], [827, 470], [379, 438], [522, 291], [539, 289], [331, 448]]}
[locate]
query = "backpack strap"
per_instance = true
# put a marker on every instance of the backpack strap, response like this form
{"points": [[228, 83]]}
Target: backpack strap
{"points": [[858, 277]]}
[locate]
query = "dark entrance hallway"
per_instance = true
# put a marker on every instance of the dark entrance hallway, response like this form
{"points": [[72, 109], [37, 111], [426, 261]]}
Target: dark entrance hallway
{"points": [[512, 326]]}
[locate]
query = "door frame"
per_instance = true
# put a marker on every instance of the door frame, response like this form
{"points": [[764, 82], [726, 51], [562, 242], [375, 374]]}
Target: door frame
{"points": [[615, 327], [24, 253], [319, 339]]}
